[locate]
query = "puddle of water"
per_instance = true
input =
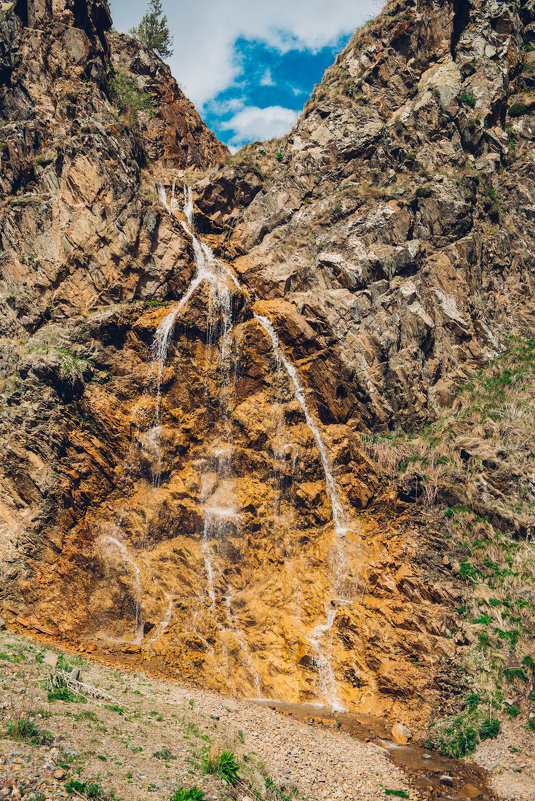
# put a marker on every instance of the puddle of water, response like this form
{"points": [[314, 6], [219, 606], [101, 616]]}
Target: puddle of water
{"points": [[434, 776]]}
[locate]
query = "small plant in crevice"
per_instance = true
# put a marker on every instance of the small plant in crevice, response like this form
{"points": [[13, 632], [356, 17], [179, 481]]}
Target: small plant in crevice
{"points": [[467, 99], [129, 97], [518, 110]]}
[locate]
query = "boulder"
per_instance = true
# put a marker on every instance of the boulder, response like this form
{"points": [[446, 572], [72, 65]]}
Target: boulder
{"points": [[401, 734]]}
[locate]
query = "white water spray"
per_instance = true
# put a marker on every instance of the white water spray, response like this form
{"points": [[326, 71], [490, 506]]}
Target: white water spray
{"points": [[320, 632], [164, 622]]}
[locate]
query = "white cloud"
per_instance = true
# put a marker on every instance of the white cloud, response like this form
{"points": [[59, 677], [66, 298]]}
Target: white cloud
{"points": [[267, 79], [253, 123], [205, 32]]}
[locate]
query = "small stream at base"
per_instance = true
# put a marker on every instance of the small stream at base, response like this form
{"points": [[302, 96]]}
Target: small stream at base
{"points": [[435, 777]]}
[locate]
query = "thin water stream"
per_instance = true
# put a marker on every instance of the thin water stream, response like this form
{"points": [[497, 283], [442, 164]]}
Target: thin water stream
{"points": [[435, 777]]}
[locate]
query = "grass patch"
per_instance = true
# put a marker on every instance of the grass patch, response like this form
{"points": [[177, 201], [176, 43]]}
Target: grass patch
{"points": [[164, 754], [223, 764], [89, 789], [188, 794], [114, 708], [66, 695], [24, 729]]}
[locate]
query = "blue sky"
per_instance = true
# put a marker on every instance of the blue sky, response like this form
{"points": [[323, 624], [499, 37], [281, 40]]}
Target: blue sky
{"points": [[250, 66]]}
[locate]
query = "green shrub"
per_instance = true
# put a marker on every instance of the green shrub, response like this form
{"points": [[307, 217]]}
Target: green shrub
{"points": [[531, 724], [188, 794], [224, 765], [89, 789], [114, 708], [228, 767], [467, 99], [129, 96], [279, 156], [529, 662], [514, 673], [43, 161], [459, 739], [472, 701], [397, 793], [64, 694], [468, 572], [489, 729]]}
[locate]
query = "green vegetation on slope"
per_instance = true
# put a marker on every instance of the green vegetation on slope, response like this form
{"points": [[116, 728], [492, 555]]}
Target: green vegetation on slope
{"points": [[472, 473]]}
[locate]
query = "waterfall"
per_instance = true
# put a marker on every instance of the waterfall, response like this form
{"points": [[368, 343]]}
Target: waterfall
{"points": [[207, 268], [219, 326], [128, 560], [327, 679], [240, 639], [324, 660], [164, 622], [330, 484]]}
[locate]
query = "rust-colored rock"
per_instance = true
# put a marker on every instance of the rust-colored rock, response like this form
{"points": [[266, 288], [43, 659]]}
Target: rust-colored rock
{"points": [[213, 513]]}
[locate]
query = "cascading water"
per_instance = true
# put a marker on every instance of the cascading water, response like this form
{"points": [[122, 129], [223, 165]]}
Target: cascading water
{"points": [[330, 484], [240, 639], [324, 631], [219, 329], [112, 541], [164, 623]]}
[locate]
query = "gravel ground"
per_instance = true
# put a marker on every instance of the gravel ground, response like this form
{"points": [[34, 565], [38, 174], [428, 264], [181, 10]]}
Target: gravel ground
{"points": [[511, 762], [152, 736]]}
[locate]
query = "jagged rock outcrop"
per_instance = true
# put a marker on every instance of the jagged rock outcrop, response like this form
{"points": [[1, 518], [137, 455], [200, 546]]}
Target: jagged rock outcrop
{"points": [[399, 221], [168, 496]]}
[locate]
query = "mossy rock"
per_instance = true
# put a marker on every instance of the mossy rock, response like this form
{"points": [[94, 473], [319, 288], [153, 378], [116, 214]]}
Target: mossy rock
{"points": [[518, 110]]}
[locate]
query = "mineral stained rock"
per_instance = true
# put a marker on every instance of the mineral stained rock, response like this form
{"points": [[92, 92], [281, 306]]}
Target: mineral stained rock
{"points": [[184, 482]]}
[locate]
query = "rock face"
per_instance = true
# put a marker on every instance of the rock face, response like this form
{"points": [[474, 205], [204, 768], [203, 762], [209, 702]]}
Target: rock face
{"points": [[397, 222], [184, 478]]}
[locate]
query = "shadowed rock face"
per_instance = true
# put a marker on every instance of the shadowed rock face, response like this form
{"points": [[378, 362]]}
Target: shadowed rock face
{"points": [[180, 510]]}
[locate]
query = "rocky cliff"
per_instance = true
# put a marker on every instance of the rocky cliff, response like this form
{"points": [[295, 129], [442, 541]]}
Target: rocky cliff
{"points": [[211, 399]]}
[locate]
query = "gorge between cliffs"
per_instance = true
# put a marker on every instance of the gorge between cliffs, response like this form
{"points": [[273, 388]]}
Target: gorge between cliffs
{"points": [[267, 417]]}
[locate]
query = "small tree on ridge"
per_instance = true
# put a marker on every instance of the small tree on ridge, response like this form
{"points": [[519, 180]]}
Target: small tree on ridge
{"points": [[153, 30]]}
